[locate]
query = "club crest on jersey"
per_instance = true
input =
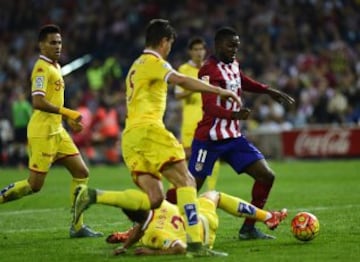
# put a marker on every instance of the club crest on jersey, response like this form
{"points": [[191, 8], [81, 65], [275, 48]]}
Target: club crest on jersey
{"points": [[39, 82], [199, 166]]}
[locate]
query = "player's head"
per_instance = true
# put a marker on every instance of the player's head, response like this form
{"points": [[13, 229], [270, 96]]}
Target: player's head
{"points": [[197, 49], [160, 35], [226, 44], [50, 43], [138, 216]]}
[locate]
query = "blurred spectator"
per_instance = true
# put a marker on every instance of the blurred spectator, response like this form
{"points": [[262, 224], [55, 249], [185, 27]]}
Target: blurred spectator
{"points": [[294, 45], [106, 133], [21, 113], [95, 75]]}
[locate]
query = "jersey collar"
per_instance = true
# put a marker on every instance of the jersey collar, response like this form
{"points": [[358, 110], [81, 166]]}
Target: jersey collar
{"points": [[47, 59], [152, 52]]}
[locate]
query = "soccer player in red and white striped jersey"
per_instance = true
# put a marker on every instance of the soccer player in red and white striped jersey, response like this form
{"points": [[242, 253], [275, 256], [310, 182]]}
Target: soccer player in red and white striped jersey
{"points": [[218, 134]]}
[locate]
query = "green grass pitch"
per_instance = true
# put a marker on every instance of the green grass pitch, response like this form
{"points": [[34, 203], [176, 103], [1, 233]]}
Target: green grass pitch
{"points": [[35, 228]]}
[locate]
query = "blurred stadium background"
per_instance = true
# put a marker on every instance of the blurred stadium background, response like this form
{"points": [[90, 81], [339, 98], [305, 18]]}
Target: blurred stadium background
{"points": [[307, 48]]}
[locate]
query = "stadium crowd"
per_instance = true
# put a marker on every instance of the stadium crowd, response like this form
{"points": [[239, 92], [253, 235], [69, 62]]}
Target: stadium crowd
{"points": [[308, 48]]}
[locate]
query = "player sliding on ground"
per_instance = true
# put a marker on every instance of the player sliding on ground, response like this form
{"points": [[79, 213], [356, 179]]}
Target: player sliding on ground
{"points": [[161, 231]]}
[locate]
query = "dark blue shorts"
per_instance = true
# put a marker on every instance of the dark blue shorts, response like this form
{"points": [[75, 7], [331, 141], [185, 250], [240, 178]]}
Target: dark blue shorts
{"points": [[237, 152]]}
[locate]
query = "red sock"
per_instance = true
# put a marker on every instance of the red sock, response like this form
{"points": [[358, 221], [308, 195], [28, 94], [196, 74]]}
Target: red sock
{"points": [[260, 192], [171, 195]]}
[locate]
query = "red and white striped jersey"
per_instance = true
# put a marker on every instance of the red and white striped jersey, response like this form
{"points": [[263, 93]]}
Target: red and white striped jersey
{"points": [[216, 123]]}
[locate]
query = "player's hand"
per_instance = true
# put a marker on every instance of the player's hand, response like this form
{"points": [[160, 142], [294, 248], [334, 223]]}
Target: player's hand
{"points": [[243, 114], [119, 251], [75, 126], [71, 114], [281, 97], [224, 93], [144, 251]]}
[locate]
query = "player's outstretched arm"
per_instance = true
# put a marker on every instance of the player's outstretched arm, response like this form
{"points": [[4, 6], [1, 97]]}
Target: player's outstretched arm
{"points": [[134, 236], [196, 85], [280, 96]]}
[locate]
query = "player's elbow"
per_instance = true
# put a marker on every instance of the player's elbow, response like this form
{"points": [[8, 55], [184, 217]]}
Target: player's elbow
{"points": [[156, 201], [37, 102]]}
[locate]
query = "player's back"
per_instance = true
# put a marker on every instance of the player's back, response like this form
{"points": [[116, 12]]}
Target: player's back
{"points": [[165, 228], [47, 81], [146, 89]]}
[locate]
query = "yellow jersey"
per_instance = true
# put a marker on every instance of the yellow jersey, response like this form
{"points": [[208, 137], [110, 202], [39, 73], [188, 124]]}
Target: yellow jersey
{"points": [[146, 89], [47, 81], [191, 106], [165, 229]]}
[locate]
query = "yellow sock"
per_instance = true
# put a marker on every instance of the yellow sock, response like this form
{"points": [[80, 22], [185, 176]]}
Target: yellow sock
{"points": [[212, 180], [238, 207], [74, 183], [15, 191], [188, 205], [130, 199]]}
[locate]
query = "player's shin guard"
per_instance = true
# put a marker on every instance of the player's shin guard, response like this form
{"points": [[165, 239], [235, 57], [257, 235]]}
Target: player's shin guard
{"points": [[260, 193], [238, 207], [188, 206], [129, 199], [15, 191], [74, 183]]}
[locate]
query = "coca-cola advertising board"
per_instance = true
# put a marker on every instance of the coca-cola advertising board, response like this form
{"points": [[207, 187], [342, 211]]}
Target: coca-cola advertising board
{"points": [[324, 142]]}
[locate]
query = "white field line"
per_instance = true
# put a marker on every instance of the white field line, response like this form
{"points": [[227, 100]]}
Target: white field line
{"points": [[319, 208], [52, 210], [47, 229], [57, 210]]}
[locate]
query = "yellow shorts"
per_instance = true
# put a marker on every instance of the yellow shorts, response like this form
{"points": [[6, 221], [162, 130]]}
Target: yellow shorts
{"points": [[43, 151], [210, 219], [146, 149]]}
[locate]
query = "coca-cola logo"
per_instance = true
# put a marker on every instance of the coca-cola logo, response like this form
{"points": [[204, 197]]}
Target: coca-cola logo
{"points": [[332, 142]]}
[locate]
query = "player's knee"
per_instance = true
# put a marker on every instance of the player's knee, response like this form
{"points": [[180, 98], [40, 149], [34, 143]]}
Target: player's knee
{"points": [[156, 201], [265, 175], [82, 172], [85, 171], [213, 195]]}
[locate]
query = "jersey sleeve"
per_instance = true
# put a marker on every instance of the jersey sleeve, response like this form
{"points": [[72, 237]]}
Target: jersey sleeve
{"points": [[160, 239], [39, 80], [209, 99], [160, 69], [250, 85]]}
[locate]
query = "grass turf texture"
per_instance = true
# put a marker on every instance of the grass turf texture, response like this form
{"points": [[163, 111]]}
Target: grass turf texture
{"points": [[36, 228]]}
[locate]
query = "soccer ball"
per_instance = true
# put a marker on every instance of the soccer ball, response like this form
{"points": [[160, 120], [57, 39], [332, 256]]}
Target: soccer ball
{"points": [[305, 226]]}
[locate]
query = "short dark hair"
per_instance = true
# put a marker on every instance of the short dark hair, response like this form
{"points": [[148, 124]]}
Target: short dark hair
{"points": [[138, 216], [48, 29], [223, 33], [156, 30], [195, 41]]}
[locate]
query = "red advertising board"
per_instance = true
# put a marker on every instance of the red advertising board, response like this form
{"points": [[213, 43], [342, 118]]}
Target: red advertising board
{"points": [[322, 142]]}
